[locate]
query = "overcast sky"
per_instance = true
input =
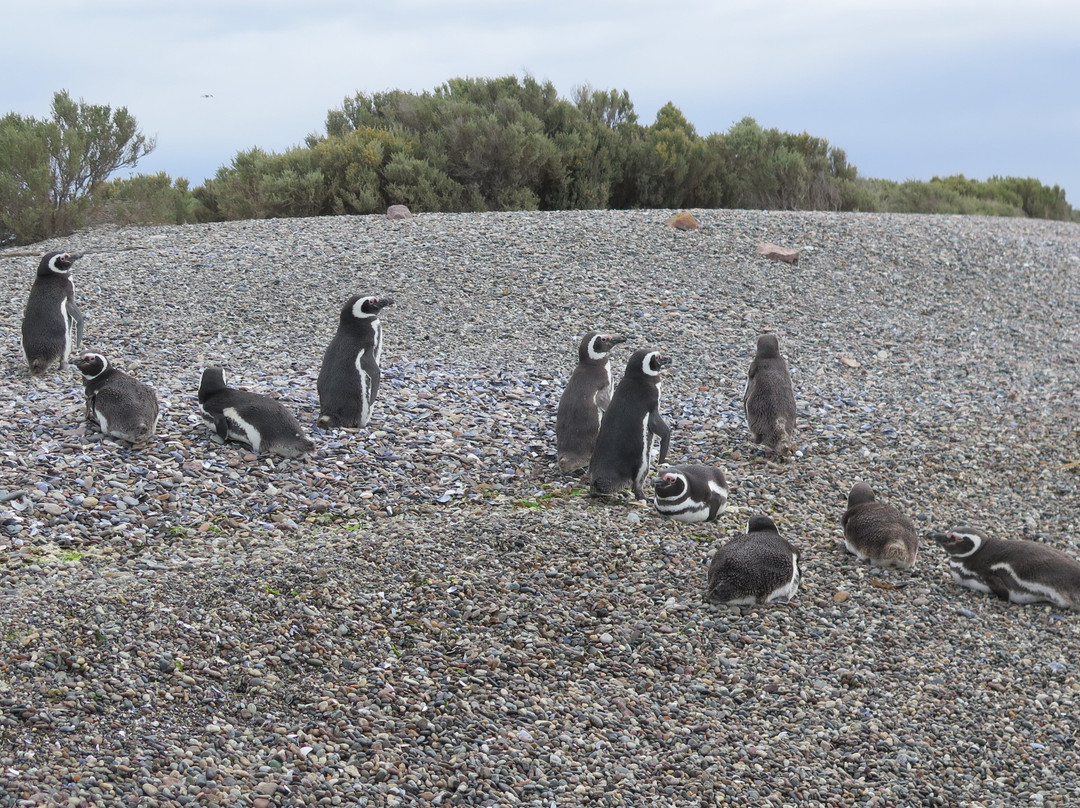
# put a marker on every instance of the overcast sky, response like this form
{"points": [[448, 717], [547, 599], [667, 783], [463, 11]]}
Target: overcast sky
{"points": [[908, 88]]}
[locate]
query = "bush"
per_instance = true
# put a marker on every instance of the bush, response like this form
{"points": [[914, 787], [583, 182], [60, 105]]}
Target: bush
{"points": [[49, 169], [147, 199]]}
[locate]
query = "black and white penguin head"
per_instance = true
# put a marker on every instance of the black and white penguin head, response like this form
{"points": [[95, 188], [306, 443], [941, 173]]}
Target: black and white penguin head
{"points": [[860, 493], [597, 346], [768, 346], [960, 541], [212, 381], [91, 365], [670, 485], [365, 308], [760, 523], [57, 263], [647, 362]]}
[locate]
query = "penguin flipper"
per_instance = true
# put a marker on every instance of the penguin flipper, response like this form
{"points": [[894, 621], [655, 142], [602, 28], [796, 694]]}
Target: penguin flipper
{"points": [[76, 317], [221, 426], [602, 399], [658, 427], [997, 586]]}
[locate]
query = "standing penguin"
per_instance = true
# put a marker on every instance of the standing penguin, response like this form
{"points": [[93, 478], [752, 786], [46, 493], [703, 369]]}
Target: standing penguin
{"points": [[349, 376], [692, 493], [624, 445], [754, 567], [1016, 570], [52, 323], [769, 401], [877, 532], [120, 405], [259, 421], [583, 402]]}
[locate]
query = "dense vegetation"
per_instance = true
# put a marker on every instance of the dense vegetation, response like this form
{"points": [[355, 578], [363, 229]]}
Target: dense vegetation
{"points": [[471, 145]]}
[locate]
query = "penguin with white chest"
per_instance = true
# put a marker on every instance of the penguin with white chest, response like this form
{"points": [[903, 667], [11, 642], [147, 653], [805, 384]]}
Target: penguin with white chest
{"points": [[623, 450], [350, 373], [769, 401], [878, 533], [584, 401], [52, 323], [256, 420], [119, 404], [758, 566], [691, 493], [1018, 571]]}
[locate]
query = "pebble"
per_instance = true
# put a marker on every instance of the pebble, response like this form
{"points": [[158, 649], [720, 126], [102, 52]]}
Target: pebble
{"points": [[427, 611]]}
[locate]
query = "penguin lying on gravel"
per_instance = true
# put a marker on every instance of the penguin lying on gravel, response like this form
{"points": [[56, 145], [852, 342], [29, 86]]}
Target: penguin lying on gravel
{"points": [[769, 401], [1018, 571], [52, 323], [754, 567], [624, 446], [120, 405], [691, 493], [878, 533], [259, 421], [351, 365], [583, 402]]}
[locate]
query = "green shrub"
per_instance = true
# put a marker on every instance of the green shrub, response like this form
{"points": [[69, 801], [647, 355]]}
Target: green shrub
{"points": [[147, 199]]}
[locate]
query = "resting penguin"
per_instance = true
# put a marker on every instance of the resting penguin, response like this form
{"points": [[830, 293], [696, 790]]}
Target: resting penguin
{"points": [[259, 421], [583, 402], [349, 376], [769, 401], [52, 323], [120, 405], [624, 445], [1016, 570], [754, 567], [692, 493], [878, 533]]}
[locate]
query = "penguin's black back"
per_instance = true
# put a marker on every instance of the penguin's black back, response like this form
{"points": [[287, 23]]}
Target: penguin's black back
{"points": [[752, 565]]}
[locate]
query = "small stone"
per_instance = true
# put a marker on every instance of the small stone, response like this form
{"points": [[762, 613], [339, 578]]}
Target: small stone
{"points": [[841, 596]]}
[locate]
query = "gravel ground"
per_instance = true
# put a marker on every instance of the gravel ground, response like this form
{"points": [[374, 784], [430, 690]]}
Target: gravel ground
{"points": [[428, 612]]}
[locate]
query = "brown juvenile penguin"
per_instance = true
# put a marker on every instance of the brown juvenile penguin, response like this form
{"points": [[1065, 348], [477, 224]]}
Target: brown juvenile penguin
{"points": [[769, 401], [878, 533]]}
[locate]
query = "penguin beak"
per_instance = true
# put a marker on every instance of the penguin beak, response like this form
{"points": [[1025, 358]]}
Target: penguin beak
{"points": [[74, 256], [616, 339], [382, 302]]}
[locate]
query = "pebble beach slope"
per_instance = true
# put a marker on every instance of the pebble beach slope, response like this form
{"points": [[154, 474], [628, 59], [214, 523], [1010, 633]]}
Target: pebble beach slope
{"points": [[428, 612]]}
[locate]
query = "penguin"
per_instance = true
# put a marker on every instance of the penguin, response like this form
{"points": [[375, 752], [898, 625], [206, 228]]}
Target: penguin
{"points": [[349, 376], [624, 444], [754, 567], [878, 533], [769, 401], [1017, 571], [583, 402], [52, 324], [259, 421], [692, 493], [119, 404]]}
